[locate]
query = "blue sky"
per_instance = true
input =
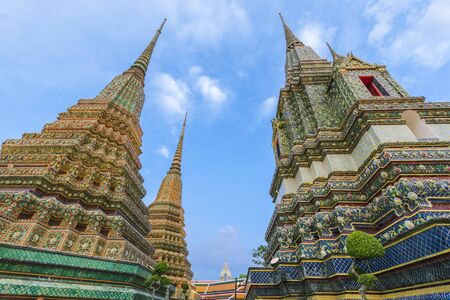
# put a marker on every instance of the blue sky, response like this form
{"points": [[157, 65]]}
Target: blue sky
{"points": [[223, 61]]}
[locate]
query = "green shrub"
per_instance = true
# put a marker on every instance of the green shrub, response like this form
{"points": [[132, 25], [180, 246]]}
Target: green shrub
{"points": [[185, 286], [258, 255], [165, 281], [151, 279], [160, 268], [157, 275], [367, 280], [362, 245]]}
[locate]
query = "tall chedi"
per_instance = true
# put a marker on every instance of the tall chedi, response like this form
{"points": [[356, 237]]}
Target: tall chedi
{"points": [[71, 196], [354, 151], [166, 216]]}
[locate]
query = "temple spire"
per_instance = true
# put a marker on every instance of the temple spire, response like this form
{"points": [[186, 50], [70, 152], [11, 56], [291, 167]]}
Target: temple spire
{"points": [[127, 89], [166, 215], [291, 39], [333, 53], [176, 162], [139, 67]]}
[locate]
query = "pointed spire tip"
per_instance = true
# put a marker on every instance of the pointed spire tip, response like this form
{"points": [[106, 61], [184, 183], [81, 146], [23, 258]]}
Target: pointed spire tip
{"points": [[140, 66], [184, 124], [333, 53], [176, 162], [282, 19], [162, 25], [291, 39]]}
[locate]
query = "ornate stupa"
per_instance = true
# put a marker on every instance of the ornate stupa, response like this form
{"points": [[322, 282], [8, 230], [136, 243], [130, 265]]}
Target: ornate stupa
{"points": [[166, 216], [354, 151], [71, 208], [225, 274]]}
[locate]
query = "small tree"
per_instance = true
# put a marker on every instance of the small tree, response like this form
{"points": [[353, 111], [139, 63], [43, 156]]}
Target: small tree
{"points": [[157, 279], [242, 276], [184, 290], [258, 255], [360, 245]]}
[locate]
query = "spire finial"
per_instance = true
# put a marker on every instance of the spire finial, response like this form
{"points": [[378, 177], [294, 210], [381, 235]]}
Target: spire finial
{"points": [[333, 53], [176, 162], [291, 39], [282, 19], [139, 67], [184, 122], [162, 25]]}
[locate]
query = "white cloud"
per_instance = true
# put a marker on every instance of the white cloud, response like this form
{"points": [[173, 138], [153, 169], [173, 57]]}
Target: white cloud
{"points": [[174, 97], [214, 96], [316, 35], [208, 22], [212, 93], [163, 151], [267, 107], [171, 95], [384, 13], [423, 40]]}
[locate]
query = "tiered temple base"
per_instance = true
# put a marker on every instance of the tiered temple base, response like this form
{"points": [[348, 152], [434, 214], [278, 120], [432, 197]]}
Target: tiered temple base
{"points": [[30, 273], [417, 265]]}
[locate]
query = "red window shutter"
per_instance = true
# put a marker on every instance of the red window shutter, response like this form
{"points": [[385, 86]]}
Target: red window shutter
{"points": [[368, 82]]}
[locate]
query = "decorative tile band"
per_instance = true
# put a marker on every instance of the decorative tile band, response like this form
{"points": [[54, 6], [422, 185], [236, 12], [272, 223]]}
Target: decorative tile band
{"points": [[432, 241], [17, 260], [23, 287]]}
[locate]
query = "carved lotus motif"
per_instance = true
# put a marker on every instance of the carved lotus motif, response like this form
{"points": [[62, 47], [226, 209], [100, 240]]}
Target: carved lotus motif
{"points": [[409, 224], [398, 201], [412, 196]]}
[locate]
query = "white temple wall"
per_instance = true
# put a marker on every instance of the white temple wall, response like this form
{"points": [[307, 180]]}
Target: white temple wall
{"points": [[371, 139]]}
